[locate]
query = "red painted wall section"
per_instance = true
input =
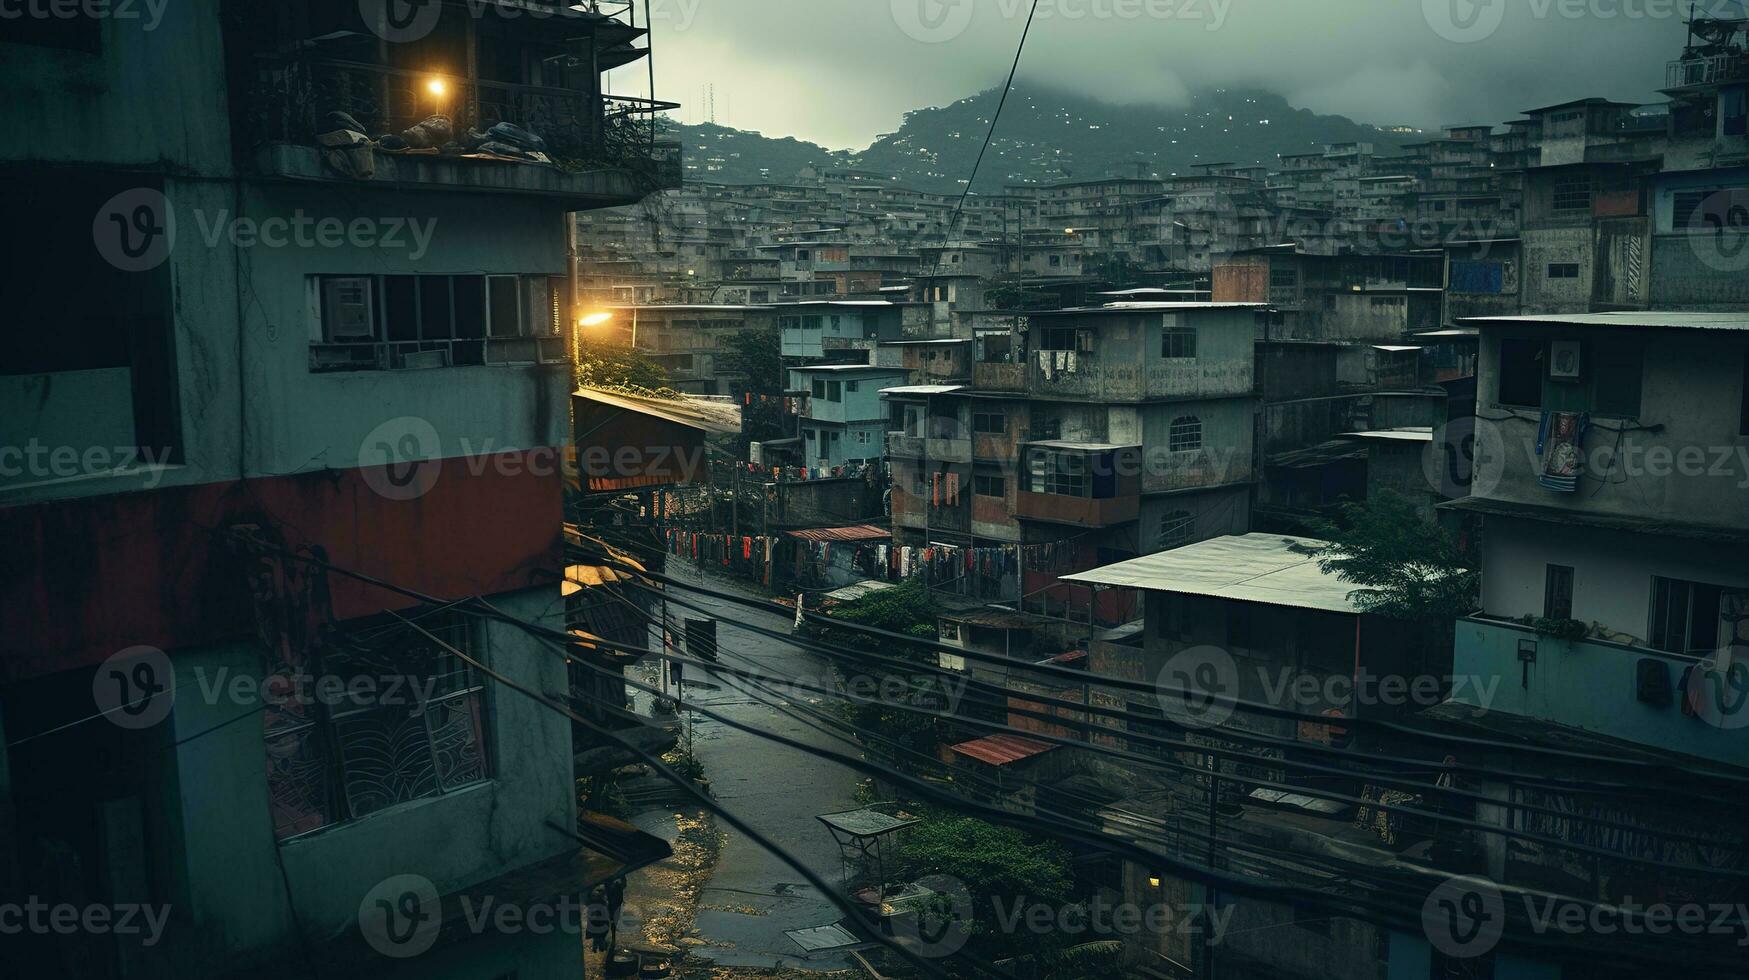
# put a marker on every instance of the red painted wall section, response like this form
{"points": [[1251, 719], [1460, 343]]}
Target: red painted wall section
{"points": [[83, 579]]}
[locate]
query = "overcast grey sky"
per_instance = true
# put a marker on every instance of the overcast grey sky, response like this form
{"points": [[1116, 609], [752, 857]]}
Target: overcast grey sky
{"points": [[839, 72]]}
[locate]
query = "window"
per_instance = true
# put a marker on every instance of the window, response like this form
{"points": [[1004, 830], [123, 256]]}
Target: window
{"points": [[1046, 424], [1686, 615], [819, 388], [1185, 435], [834, 391], [1063, 474], [1063, 338], [1176, 529], [1558, 592], [989, 423], [1572, 195], [408, 725], [346, 308], [1178, 342], [852, 386], [989, 486], [1563, 270], [1521, 373], [1056, 261]]}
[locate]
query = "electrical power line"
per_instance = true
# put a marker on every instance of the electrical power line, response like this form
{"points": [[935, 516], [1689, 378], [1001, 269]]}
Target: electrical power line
{"points": [[990, 134]]}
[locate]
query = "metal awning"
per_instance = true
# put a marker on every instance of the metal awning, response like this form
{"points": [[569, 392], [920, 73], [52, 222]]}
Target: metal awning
{"points": [[860, 532], [1002, 750]]}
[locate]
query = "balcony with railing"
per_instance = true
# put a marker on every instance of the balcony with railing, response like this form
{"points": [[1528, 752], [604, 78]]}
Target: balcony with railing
{"points": [[1706, 70], [481, 104]]}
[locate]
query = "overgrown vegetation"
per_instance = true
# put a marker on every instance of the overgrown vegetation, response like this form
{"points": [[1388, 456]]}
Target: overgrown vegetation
{"points": [[1003, 870], [908, 609], [603, 365]]}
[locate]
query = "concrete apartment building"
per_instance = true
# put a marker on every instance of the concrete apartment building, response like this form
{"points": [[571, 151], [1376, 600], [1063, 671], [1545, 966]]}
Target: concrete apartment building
{"points": [[298, 355], [1643, 556], [1098, 431]]}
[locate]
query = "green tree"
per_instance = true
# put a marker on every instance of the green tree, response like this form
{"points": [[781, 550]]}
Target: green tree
{"points": [[908, 609], [1406, 567], [757, 355]]}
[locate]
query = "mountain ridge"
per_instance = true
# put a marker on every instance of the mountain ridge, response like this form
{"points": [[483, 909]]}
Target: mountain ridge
{"points": [[935, 146]]}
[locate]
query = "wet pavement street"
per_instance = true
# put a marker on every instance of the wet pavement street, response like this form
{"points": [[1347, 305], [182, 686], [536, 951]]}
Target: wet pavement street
{"points": [[750, 898]]}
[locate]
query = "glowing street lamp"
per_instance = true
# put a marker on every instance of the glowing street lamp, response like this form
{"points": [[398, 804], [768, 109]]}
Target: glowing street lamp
{"points": [[595, 319]]}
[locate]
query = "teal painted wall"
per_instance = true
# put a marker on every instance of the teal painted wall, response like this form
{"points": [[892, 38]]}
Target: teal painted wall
{"points": [[230, 902], [1585, 685]]}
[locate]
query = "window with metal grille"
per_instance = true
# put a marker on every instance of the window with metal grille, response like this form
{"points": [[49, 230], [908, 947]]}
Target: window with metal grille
{"points": [[1185, 434], [1178, 342], [1572, 195], [1063, 474], [380, 715]]}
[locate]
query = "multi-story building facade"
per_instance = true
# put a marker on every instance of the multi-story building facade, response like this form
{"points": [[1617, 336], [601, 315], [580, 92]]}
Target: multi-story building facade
{"points": [[1088, 433], [1591, 515], [303, 365]]}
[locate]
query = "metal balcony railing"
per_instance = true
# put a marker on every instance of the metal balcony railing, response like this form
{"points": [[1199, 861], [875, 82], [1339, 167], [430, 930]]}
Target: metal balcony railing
{"points": [[1704, 70], [293, 97]]}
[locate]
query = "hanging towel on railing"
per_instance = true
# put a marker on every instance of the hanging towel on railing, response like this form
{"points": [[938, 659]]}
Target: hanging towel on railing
{"points": [[1560, 442]]}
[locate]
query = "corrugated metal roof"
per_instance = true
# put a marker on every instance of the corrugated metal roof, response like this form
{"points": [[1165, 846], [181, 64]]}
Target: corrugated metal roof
{"points": [[1086, 447], [1002, 750], [1271, 568], [860, 532], [697, 413], [1673, 320], [922, 390], [851, 593], [1408, 434], [995, 618]]}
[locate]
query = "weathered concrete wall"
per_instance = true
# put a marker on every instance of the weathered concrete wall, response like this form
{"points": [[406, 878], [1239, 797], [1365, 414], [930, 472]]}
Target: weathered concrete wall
{"points": [[1692, 469]]}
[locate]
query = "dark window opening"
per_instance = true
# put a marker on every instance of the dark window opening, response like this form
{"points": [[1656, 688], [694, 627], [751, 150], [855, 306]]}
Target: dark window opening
{"points": [[1521, 373], [1558, 592]]}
